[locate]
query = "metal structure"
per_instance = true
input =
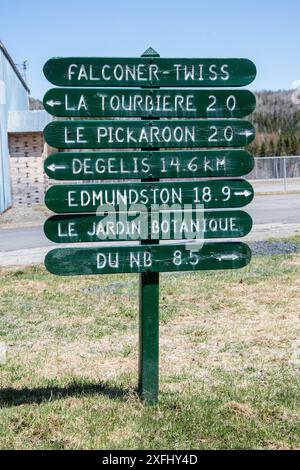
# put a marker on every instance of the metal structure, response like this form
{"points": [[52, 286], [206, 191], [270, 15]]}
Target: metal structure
{"points": [[278, 173], [14, 94], [27, 121]]}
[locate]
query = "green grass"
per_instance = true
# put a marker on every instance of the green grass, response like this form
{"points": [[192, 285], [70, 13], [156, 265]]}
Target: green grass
{"points": [[230, 357], [292, 238]]}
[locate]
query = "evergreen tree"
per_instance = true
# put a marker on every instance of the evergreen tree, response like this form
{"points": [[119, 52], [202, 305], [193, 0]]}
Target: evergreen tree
{"points": [[263, 149], [253, 148], [272, 148], [287, 145], [256, 150], [294, 145], [280, 147]]}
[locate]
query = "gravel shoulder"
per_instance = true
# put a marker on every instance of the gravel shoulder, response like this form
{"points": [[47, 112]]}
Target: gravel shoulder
{"points": [[20, 217]]}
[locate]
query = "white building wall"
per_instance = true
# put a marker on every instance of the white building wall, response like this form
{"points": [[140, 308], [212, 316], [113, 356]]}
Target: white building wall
{"points": [[13, 96]]}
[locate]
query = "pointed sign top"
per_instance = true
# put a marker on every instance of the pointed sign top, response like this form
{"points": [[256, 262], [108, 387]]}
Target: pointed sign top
{"points": [[150, 52]]}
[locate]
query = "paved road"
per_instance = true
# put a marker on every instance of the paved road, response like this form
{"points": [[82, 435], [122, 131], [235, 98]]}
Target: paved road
{"points": [[276, 186], [281, 208], [20, 239]]}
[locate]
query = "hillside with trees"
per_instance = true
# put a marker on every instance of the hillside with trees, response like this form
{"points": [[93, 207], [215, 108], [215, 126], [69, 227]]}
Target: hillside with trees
{"points": [[277, 122], [35, 104]]}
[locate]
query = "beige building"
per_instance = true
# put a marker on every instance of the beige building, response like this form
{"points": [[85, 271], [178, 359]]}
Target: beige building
{"points": [[27, 150]]}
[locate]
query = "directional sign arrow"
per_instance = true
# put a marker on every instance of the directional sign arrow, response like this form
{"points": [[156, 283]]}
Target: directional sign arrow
{"points": [[247, 133], [223, 257], [146, 258], [245, 193], [53, 167], [53, 103]]}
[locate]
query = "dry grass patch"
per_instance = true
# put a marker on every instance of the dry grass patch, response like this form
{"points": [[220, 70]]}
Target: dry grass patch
{"points": [[229, 351], [241, 408]]}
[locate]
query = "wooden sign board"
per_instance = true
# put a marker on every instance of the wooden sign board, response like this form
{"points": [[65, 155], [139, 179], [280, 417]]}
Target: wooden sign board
{"points": [[148, 72], [151, 210], [164, 103], [134, 165], [78, 198], [142, 226], [148, 134], [147, 258]]}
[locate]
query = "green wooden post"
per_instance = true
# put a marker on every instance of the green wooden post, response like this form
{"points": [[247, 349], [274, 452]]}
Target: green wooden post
{"points": [[192, 133], [149, 320]]}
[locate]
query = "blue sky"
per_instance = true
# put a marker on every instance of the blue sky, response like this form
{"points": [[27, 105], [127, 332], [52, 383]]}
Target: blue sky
{"points": [[264, 31]]}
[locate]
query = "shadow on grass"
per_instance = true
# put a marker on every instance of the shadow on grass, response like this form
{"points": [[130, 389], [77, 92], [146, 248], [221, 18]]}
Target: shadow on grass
{"points": [[15, 397]]}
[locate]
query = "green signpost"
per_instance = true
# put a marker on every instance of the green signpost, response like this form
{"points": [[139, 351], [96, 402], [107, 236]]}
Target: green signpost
{"points": [[180, 145], [89, 197], [111, 102], [163, 225], [176, 133], [148, 71], [136, 165], [147, 258]]}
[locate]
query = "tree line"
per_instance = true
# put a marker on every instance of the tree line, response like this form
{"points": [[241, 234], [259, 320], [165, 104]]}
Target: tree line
{"points": [[277, 123]]}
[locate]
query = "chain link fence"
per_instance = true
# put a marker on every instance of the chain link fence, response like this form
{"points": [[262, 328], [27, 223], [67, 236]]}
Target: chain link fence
{"points": [[276, 174]]}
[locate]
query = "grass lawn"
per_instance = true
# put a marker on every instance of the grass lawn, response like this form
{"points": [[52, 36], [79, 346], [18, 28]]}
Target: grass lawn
{"points": [[229, 370]]}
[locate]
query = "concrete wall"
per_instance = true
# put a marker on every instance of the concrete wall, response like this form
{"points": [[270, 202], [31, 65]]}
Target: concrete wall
{"points": [[26, 144], [27, 152], [13, 96]]}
